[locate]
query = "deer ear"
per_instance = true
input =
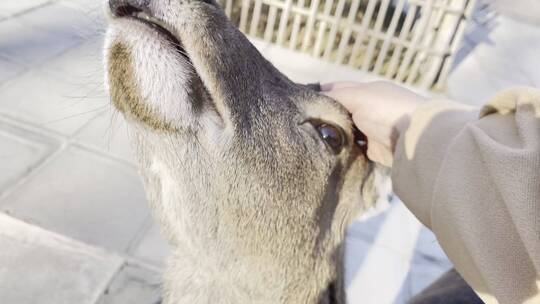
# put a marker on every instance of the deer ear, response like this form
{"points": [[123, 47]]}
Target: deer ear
{"points": [[314, 86]]}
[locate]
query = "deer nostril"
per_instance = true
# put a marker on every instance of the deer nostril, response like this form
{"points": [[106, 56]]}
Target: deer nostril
{"points": [[122, 8]]}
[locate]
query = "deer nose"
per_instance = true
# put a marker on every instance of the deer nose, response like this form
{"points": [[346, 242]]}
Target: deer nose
{"points": [[121, 8]]}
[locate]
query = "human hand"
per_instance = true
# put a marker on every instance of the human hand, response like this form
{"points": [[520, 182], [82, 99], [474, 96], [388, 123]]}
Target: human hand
{"points": [[380, 110]]}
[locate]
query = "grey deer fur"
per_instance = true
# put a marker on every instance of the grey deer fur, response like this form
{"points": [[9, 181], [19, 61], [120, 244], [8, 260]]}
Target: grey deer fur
{"points": [[253, 203]]}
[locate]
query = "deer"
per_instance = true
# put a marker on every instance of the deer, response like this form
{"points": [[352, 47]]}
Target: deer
{"points": [[252, 177]]}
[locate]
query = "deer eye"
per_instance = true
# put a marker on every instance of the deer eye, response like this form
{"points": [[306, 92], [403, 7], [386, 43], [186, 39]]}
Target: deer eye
{"points": [[332, 135]]}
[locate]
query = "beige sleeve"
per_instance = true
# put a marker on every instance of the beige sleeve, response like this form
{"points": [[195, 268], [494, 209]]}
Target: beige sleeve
{"points": [[473, 177]]}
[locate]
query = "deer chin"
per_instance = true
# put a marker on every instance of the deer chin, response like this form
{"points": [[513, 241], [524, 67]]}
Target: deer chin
{"points": [[157, 85]]}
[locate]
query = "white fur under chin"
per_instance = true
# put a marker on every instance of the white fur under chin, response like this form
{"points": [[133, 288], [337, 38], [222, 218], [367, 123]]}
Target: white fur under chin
{"points": [[161, 74]]}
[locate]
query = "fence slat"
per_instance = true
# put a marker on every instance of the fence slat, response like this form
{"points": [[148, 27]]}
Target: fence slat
{"points": [[368, 58], [244, 15], [390, 32], [440, 41], [310, 24], [406, 29], [322, 28], [228, 8], [361, 32], [427, 43], [282, 31], [256, 18], [418, 33], [456, 43], [333, 30], [269, 32], [348, 31], [296, 27]]}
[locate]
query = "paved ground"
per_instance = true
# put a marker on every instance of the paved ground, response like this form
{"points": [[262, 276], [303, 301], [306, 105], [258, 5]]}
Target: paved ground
{"points": [[74, 223]]}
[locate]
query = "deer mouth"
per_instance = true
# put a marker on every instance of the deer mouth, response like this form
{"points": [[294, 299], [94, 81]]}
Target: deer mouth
{"points": [[136, 14]]}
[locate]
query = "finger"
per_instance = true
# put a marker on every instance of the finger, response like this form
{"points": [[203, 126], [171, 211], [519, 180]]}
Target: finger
{"points": [[388, 158], [376, 130], [337, 85], [380, 154], [374, 152], [348, 97]]}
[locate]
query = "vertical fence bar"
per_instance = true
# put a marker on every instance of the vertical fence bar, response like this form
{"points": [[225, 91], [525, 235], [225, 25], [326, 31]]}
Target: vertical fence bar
{"points": [[426, 12], [427, 42], [228, 8], [322, 27], [244, 15], [362, 32], [333, 30], [296, 27], [310, 24], [255, 18], [441, 43], [344, 43], [368, 58], [405, 30], [390, 32], [283, 22], [269, 32], [456, 43]]}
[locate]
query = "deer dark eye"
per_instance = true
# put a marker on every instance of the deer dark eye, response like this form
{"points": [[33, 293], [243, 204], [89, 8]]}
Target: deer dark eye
{"points": [[332, 136]]}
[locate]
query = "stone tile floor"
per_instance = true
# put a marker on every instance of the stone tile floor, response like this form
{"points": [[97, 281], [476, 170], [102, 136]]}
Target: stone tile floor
{"points": [[74, 224]]}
